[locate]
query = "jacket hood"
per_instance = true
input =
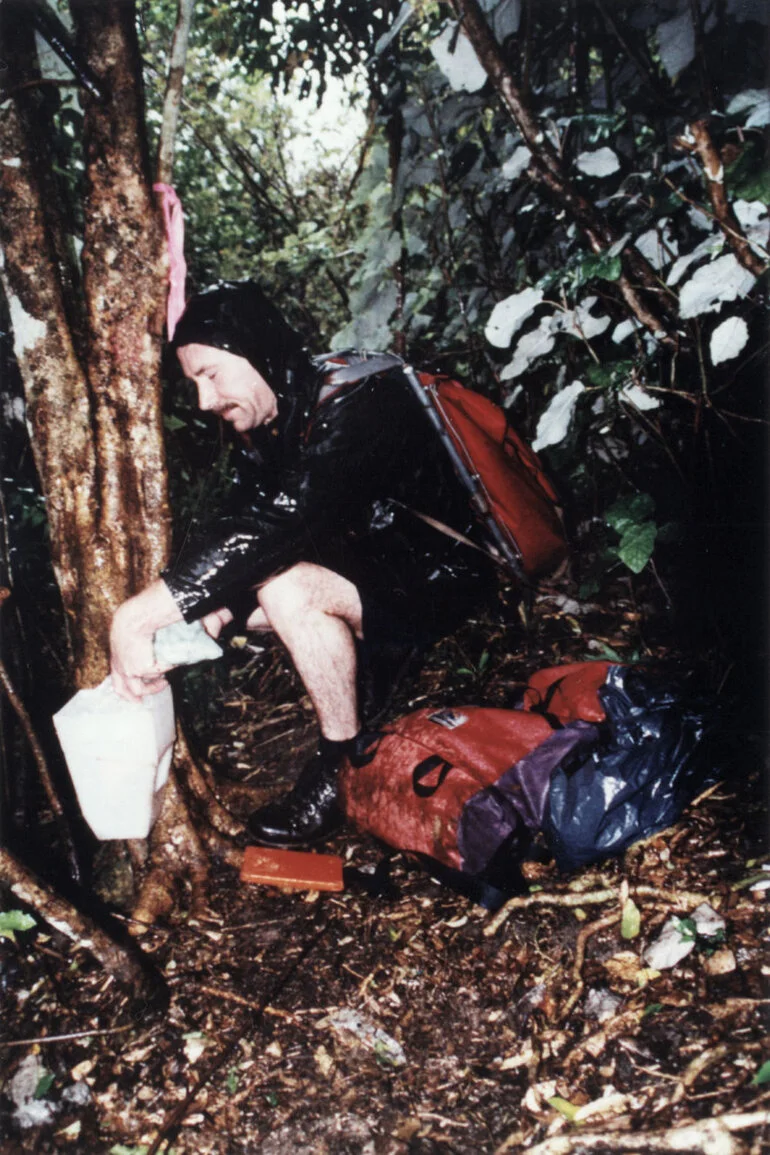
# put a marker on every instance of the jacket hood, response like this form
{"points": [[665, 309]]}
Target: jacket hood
{"points": [[238, 317]]}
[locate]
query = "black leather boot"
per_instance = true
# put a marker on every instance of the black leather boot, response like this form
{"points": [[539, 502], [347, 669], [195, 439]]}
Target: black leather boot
{"points": [[310, 811]]}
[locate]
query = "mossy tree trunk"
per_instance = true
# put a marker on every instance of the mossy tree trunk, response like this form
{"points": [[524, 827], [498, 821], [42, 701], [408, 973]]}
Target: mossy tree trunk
{"points": [[88, 346], [87, 337]]}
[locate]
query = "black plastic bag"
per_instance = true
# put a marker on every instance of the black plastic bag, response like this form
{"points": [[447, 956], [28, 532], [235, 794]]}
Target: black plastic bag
{"points": [[656, 757]]}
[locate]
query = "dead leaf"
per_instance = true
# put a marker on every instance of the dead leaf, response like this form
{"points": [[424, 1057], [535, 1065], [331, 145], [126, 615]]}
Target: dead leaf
{"points": [[323, 1060], [722, 962]]}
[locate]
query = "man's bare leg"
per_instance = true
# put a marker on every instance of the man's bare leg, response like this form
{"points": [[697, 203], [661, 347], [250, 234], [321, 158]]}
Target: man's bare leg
{"points": [[316, 614]]}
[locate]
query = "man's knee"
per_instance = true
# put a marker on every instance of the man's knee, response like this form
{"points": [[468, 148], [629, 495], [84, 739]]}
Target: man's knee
{"points": [[288, 593], [308, 588]]}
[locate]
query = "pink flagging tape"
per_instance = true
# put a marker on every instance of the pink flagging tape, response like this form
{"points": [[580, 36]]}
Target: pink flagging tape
{"points": [[173, 219]]}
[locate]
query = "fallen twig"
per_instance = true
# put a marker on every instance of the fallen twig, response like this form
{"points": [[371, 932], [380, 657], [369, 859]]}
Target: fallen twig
{"points": [[69, 1035], [706, 1137]]}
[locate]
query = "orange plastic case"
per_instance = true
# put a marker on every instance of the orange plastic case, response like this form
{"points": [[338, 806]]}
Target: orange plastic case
{"points": [[292, 869]]}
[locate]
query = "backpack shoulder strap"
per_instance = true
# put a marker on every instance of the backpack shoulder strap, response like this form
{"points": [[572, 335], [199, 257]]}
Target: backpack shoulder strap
{"points": [[351, 366]]}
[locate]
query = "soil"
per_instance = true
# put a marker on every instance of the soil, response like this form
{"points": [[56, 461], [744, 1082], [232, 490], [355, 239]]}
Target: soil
{"points": [[351, 1025]]}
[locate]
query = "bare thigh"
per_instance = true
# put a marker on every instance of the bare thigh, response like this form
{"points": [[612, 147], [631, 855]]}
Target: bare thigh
{"points": [[307, 588]]}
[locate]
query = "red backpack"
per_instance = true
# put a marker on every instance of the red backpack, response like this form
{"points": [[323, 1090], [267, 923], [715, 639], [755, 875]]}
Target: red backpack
{"points": [[509, 492], [461, 785]]}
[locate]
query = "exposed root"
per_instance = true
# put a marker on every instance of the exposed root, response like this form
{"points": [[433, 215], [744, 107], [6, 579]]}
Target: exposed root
{"points": [[580, 954], [177, 853], [594, 1044], [696, 1068], [706, 1137], [124, 962], [198, 784], [677, 898]]}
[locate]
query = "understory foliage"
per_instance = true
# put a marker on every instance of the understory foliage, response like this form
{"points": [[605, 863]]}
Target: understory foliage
{"points": [[466, 259]]}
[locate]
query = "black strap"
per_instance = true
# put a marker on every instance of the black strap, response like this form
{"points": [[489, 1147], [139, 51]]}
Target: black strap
{"points": [[476, 889], [426, 767], [543, 706], [377, 883]]}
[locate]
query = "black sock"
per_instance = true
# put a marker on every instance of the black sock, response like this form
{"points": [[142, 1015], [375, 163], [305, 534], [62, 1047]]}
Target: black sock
{"points": [[330, 749]]}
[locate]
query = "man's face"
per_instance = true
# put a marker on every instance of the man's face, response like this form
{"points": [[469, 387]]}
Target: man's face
{"points": [[229, 385]]}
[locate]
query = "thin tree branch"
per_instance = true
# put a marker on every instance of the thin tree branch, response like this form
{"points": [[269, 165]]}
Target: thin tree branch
{"points": [[173, 97], [40, 759], [713, 171]]}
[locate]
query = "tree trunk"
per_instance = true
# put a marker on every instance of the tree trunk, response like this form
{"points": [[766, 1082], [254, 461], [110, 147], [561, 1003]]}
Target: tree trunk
{"points": [[93, 400], [91, 375]]}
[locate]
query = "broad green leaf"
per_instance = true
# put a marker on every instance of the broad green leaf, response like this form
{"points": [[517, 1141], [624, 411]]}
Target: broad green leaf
{"points": [[711, 285], [637, 544], [628, 511], [651, 1009], [603, 651], [688, 931], [605, 268], [11, 920], [553, 425], [564, 1106], [631, 921], [173, 423]]}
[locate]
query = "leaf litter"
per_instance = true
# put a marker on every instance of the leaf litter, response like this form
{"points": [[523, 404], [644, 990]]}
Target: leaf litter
{"points": [[421, 1024]]}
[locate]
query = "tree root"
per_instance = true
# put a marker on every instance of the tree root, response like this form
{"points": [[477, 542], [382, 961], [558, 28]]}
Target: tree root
{"points": [[580, 954], [705, 1137], [126, 963], [176, 853], [199, 785], [193, 824], [592, 898]]}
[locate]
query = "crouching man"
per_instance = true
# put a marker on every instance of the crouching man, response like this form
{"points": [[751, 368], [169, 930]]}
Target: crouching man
{"points": [[327, 548]]}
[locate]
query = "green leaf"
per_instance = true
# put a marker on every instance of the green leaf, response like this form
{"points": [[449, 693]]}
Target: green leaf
{"points": [[603, 651], [631, 921], [637, 545], [762, 1076], [604, 267], [651, 1009], [231, 1083], [173, 423], [11, 920], [564, 1106], [688, 931], [628, 511], [44, 1084]]}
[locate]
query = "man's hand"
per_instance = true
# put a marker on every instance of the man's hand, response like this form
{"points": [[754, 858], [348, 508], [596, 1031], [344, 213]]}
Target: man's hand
{"points": [[132, 660], [216, 621]]}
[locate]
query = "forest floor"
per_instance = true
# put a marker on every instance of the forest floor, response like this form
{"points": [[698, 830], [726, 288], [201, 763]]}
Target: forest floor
{"points": [[306, 1024]]}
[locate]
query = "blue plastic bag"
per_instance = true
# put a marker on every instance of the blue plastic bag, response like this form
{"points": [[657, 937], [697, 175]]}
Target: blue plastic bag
{"points": [[656, 756]]}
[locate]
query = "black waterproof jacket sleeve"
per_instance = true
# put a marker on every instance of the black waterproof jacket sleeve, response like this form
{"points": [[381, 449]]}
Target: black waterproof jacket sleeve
{"points": [[346, 470]]}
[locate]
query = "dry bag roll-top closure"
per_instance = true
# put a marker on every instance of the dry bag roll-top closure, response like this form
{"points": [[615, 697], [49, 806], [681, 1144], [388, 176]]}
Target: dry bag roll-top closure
{"points": [[513, 500]]}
